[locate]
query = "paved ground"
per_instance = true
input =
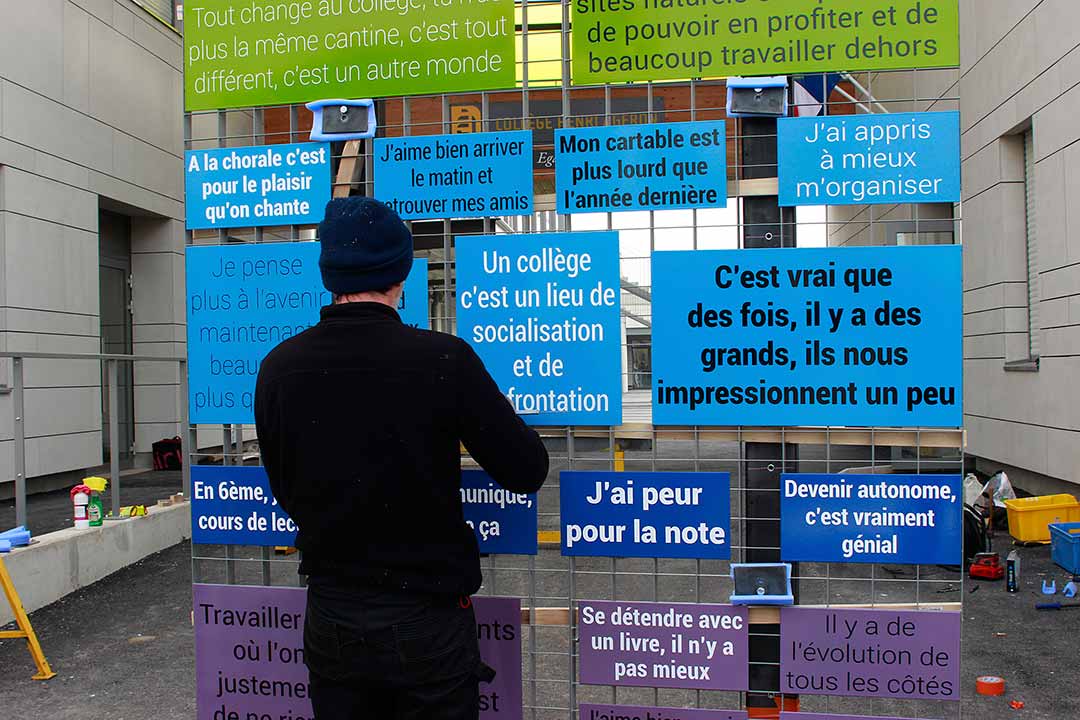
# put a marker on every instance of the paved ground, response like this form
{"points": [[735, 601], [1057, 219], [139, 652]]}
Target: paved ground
{"points": [[49, 512], [123, 649], [127, 641], [1035, 651]]}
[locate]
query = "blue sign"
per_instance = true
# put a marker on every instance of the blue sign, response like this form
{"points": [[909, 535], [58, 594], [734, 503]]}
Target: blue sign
{"points": [[257, 186], [242, 301], [895, 519], [456, 176], [543, 313], [869, 159], [504, 521], [837, 336], [665, 166], [646, 514], [234, 506]]}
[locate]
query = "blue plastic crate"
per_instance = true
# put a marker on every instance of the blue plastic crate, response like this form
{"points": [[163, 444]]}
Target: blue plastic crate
{"points": [[1065, 545]]}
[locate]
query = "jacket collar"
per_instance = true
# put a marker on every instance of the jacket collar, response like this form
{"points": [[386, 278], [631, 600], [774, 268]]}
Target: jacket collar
{"points": [[359, 311]]}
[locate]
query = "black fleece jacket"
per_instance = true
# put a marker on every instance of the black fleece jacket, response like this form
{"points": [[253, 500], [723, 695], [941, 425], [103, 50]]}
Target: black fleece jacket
{"points": [[360, 420]]}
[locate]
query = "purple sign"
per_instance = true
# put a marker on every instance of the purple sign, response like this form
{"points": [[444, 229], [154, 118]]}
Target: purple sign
{"points": [[822, 716], [870, 653], [498, 623], [249, 660], [628, 712], [674, 645]]}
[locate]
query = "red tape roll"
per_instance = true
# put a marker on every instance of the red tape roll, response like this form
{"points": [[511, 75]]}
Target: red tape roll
{"points": [[990, 685]]}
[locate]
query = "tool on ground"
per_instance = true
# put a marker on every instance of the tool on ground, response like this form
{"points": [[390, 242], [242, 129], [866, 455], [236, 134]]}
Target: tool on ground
{"points": [[1049, 587], [1057, 606], [990, 685], [987, 566], [26, 630], [1012, 572]]}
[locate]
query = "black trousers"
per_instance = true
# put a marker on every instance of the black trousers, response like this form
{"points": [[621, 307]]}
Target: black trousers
{"points": [[379, 662]]}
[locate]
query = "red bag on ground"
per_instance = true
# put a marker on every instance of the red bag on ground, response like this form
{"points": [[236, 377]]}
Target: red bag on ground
{"points": [[168, 454]]}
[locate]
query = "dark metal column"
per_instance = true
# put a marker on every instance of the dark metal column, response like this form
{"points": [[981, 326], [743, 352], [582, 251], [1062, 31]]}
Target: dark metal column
{"points": [[765, 225]]}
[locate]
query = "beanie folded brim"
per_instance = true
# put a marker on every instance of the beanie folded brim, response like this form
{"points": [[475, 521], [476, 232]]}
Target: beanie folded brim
{"points": [[365, 246], [348, 279]]}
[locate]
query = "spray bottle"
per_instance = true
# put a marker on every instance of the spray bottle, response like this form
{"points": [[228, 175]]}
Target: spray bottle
{"points": [[96, 508]]}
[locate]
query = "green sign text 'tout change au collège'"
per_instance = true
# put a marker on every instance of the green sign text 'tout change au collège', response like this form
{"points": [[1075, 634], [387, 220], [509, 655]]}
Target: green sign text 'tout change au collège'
{"points": [[242, 53]]}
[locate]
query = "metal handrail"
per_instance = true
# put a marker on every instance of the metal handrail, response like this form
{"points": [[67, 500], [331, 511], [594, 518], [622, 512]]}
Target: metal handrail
{"points": [[91, 356], [112, 362]]}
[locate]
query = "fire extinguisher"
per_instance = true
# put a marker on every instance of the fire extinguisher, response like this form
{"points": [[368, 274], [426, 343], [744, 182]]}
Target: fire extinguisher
{"points": [[80, 499]]}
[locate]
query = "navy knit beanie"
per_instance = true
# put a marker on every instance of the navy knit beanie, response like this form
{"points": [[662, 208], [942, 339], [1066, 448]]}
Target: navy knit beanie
{"points": [[365, 246]]}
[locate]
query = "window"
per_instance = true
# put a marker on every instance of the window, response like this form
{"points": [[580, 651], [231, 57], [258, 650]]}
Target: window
{"points": [[162, 9], [1022, 345], [1031, 238]]}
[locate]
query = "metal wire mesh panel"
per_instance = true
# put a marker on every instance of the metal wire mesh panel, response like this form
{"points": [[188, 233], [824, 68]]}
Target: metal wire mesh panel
{"points": [[549, 585]]}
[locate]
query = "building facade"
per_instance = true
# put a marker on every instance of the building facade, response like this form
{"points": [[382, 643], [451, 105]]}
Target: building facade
{"points": [[1019, 100], [91, 224]]}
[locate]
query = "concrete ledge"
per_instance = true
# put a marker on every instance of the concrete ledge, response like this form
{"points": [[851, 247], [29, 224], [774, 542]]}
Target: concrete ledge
{"points": [[60, 563]]}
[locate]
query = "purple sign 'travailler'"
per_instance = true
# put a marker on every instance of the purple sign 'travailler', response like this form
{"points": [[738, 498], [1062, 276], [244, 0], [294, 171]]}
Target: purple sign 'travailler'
{"points": [[823, 716], [249, 653], [630, 712], [870, 653], [675, 645]]}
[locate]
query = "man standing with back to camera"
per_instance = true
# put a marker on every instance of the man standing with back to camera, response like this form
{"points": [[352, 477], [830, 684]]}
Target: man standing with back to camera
{"points": [[360, 420]]}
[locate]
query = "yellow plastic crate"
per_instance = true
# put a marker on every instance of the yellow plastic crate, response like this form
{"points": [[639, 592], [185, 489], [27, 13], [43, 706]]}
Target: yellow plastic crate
{"points": [[1030, 518]]}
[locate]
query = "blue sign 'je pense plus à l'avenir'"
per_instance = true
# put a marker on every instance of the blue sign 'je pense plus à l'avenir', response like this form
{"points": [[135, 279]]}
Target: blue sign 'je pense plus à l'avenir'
{"points": [[243, 300]]}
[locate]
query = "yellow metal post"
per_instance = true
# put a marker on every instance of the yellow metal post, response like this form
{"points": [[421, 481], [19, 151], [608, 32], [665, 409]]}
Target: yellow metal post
{"points": [[26, 630], [620, 458]]}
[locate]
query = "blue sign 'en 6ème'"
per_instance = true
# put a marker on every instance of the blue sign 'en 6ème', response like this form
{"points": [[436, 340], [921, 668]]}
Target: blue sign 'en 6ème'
{"points": [[829, 336], [257, 186], [242, 301], [232, 505], [899, 519], [869, 159], [646, 514], [664, 166], [543, 313], [456, 176]]}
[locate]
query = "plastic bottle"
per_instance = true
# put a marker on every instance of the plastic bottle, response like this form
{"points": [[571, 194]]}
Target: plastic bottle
{"points": [[80, 499], [96, 510], [1012, 572]]}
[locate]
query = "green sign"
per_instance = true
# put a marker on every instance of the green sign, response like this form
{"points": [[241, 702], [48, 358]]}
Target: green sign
{"points": [[241, 53], [617, 41]]}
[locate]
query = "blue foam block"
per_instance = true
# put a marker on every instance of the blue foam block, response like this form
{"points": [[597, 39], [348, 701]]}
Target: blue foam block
{"points": [[17, 537]]}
